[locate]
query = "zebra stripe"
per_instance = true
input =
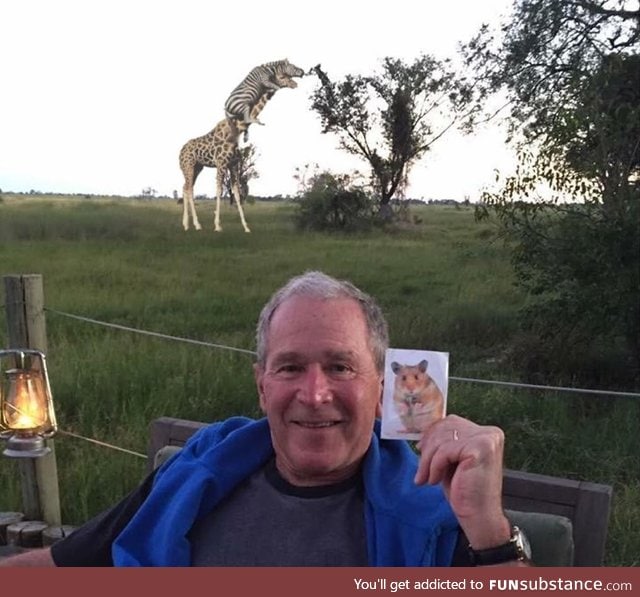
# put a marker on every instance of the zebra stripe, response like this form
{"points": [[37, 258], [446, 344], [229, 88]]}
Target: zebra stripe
{"points": [[270, 76]]}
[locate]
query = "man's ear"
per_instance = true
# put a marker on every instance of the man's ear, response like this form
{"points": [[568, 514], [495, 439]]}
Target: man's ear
{"points": [[258, 374], [379, 405]]}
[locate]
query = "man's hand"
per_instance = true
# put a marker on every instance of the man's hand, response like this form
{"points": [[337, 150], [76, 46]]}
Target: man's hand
{"points": [[466, 459]]}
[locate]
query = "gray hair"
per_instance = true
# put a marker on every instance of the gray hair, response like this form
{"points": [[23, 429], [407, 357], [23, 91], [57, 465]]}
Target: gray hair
{"points": [[318, 285]]}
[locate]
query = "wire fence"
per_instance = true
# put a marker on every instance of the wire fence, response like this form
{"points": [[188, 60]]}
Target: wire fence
{"points": [[124, 328], [251, 352]]}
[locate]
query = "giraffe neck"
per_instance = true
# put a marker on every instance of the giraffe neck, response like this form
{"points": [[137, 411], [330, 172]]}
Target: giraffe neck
{"points": [[242, 126], [260, 104]]}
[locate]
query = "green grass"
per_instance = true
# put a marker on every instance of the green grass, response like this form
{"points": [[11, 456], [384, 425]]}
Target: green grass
{"points": [[445, 284]]}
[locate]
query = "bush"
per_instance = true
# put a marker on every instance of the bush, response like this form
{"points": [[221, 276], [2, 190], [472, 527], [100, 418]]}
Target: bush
{"points": [[345, 210], [582, 274], [330, 203]]}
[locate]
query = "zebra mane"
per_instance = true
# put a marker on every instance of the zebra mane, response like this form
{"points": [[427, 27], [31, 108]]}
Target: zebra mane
{"points": [[276, 62]]}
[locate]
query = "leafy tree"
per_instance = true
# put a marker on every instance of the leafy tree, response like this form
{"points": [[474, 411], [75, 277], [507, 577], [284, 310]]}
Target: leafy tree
{"points": [[392, 118], [572, 72], [545, 51]]}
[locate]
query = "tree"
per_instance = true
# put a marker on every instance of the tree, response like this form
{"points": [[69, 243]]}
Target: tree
{"points": [[572, 72], [148, 192], [392, 118], [246, 169], [545, 51]]}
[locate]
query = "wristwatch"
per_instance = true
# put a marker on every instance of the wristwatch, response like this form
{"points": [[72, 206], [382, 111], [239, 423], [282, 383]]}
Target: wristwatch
{"points": [[517, 548]]}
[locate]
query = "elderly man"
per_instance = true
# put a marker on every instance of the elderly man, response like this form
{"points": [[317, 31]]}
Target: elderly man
{"points": [[312, 483]]}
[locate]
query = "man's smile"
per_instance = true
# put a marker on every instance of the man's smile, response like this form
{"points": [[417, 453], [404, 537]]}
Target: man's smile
{"points": [[316, 424]]}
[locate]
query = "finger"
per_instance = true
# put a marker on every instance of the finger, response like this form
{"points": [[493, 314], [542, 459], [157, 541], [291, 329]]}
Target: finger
{"points": [[432, 437], [449, 427], [438, 454], [441, 463], [445, 447]]}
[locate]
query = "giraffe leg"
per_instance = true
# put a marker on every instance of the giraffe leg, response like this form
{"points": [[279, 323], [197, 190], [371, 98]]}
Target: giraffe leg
{"points": [[189, 206], [190, 172], [219, 182], [194, 215], [185, 208], [236, 194]]}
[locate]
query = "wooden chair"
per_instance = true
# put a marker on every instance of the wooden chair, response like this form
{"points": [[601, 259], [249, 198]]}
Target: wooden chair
{"points": [[587, 505], [566, 520]]}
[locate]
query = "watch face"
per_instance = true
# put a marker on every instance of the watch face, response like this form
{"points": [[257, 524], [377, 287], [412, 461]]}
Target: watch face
{"points": [[522, 543]]}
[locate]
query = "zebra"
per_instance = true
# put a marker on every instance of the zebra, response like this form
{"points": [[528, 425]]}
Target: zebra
{"points": [[268, 76]]}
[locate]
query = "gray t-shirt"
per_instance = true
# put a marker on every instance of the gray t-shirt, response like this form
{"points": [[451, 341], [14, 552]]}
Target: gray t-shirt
{"points": [[268, 522]]}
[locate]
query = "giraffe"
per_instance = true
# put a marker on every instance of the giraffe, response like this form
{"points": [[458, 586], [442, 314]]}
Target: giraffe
{"points": [[218, 149]]}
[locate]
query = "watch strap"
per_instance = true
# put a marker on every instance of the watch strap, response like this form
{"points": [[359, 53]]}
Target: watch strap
{"points": [[507, 552]]}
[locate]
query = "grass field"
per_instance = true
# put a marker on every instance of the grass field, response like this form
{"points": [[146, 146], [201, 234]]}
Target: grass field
{"points": [[444, 283]]}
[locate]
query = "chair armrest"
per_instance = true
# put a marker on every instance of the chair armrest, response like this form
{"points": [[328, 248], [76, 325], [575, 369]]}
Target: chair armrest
{"points": [[163, 454], [550, 536]]}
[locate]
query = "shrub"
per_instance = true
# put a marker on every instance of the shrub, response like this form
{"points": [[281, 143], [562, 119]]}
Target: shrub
{"points": [[331, 202]]}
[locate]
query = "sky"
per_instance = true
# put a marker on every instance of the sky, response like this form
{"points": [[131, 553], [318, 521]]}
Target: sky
{"points": [[98, 97]]}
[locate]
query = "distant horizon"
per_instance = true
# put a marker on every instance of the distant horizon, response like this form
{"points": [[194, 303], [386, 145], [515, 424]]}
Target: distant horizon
{"points": [[205, 197]]}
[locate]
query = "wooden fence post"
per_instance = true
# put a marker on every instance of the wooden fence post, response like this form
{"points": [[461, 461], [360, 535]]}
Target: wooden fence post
{"points": [[24, 303]]}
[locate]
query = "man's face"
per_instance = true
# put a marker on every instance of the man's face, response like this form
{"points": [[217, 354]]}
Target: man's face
{"points": [[319, 388]]}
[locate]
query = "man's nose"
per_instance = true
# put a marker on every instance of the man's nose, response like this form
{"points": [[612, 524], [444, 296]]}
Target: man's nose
{"points": [[315, 387]]}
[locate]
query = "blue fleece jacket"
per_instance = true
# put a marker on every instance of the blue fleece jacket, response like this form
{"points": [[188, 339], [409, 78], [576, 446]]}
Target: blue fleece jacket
{"points": [[406, 525]]}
